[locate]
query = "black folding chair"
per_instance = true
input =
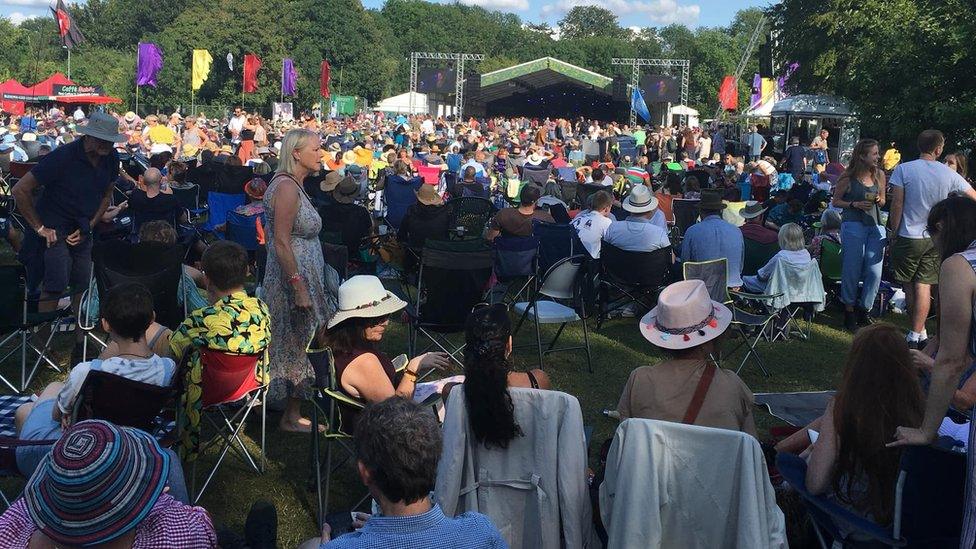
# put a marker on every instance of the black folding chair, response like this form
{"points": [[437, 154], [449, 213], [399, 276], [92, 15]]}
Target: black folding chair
{"points": [[157, 266], [125, 402], [516, 265], [453, 278], [586, 190], [536, 175], [556, 241], [469, 215], [685, 213], [635, 277]]}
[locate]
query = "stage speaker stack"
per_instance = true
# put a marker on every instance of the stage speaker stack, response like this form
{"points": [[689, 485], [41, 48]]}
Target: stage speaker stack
{"points": [[472, 95], [620, 84], [766, 59]]}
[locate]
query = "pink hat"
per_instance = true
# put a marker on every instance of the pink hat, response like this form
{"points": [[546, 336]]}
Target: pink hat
{"points": [[685, 317]]}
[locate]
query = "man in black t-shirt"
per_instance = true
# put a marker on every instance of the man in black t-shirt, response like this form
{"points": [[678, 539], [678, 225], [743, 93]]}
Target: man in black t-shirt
{"points": [[154, 203], [795, 159]]}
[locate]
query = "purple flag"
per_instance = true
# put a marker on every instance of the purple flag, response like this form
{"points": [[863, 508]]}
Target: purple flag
{"points": [[289, 77], [149, 61]]}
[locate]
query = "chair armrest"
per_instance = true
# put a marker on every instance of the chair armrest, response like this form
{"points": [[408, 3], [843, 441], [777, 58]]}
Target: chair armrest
{"points": [[757, 297]]}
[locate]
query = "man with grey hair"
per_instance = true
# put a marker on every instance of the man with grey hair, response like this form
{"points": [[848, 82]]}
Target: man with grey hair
{"points": [[155, 203], [755, 144], [398, 444]]}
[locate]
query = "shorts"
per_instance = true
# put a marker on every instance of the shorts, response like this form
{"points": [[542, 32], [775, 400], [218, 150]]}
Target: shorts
{"points": [[915, 260], [66, 266], [39, 426]]}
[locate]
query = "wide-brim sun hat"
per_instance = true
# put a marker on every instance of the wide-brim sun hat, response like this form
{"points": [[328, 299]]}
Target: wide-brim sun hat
{"points": [[751, 210], [104, 127], [98, 483], [346, 191], [363, 296], [428, 196], [330, 182], [640, 200], [685, 317]]}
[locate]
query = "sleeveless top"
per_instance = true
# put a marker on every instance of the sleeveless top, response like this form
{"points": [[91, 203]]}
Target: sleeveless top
{"points": [[348, 414], [855, 193], [969, 519]]}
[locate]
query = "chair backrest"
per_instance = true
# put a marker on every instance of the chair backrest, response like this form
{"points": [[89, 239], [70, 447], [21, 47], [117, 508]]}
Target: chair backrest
{"points": [[556, 241], [122, 401], [685, 213], [352, 221], [227, 377], [399, 193], [566, 174], [20, 169], [932, 474], [470, 214], [243, 230], [156, 266], [336, 255], [536, 175], [830, 260], [417, 164], [561, 280], [648, 269], [220, 204], [430, 174], [756, 255], [453, 277], [12, 297], [516, 256], [188, 196], [590, 147], [798, 284], [715, 275]]}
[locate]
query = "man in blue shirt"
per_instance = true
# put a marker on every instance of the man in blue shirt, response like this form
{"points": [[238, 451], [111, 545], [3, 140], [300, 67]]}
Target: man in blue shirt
{"points": [[714, 238], [795, 159], [718, 143], [398, 444], [77, 183], [756, 144]]}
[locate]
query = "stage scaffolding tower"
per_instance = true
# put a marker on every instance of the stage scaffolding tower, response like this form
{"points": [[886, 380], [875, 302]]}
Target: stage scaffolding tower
{"points": [[459, 60], [635, 66]]}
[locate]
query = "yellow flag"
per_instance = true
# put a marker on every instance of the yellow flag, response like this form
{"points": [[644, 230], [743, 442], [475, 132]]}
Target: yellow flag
{"points": [[768, 89], [201, 68]]}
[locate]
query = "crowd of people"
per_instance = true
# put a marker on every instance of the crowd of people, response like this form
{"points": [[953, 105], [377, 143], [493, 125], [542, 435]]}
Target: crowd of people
{"points": [[384, 186]]}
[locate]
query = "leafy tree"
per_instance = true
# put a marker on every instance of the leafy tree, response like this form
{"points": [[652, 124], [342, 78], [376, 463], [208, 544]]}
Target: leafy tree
{"points": [[589, 21]]}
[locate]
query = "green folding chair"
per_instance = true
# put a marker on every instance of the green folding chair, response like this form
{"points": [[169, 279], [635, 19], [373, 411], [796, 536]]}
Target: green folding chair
{"points": [[756, 255]]}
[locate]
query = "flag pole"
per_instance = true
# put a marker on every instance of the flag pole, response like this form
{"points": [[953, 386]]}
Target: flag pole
{"points": [[69, 61], [137, 80]]}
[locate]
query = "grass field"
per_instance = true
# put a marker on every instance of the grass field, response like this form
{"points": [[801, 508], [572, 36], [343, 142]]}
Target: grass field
{"points": [[617, 349]]}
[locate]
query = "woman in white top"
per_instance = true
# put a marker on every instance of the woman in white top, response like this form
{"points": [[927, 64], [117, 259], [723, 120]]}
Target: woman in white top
{"points": [[792, 250]]}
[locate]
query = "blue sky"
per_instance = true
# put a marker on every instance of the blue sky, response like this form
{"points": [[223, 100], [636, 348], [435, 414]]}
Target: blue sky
{"points": [[640, 13]]}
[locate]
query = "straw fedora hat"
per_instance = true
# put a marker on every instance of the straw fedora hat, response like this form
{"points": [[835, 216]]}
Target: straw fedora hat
{"points": [[428, 196], [103, 126], [348, 157], [640, 200], [330, 182], [363, 296], [752, 210], [685, 317]]}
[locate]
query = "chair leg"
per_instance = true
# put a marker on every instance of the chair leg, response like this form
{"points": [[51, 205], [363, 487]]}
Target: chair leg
{"points": [[264, 422], [586, 343], [324, 507], [559, 332], [538, 335], [315, 462]]}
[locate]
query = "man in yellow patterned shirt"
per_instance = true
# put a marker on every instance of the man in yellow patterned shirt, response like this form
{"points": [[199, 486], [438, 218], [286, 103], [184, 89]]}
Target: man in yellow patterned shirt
{"points": [[235, 323]]}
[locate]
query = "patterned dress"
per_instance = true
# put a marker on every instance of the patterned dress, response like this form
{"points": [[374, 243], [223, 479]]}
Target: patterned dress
{"points": [[291, 329]]}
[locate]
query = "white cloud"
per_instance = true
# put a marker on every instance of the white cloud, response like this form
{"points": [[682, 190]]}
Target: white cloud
{"points": [[496, 5], [659, 12], [27, 3], [19, 17]]}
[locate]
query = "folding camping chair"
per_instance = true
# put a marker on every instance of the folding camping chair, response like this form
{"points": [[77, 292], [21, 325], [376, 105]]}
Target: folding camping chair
{"points": [[125, 402], [535, 175], [831, 266], [157, 266], [556, 241], [219, 204], [243, 230], [188, 196], [469, 216], [19, 322], [756, 255], [453, 278], [637, 276], [926, 474], [430, 174], [752, 325], [230, 390], [685, 213], [585, 190], [516, 261], [562, 282], [801, 296]]}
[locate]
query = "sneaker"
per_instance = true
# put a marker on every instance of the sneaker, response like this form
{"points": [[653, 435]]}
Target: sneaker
{"points": [[863, 318], [850, 321]]}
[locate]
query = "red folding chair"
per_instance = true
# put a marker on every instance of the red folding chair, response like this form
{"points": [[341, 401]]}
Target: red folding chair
{"points": [[760, 187], [430, 174], [230, 390], [417, 164]]}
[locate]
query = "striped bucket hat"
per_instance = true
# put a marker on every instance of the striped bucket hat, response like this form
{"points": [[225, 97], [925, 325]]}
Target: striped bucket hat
{"points": [[98, 483]]}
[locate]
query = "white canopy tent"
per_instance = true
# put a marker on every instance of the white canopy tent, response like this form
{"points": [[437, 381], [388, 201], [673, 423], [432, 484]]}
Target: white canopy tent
{"points": [[400, 104], [684, 110]]}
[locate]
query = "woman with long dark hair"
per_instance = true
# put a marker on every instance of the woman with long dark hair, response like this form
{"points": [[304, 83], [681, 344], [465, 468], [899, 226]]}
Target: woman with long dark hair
{"points": [[880, 391], [488, 374], [860, 192], [952, 227]]}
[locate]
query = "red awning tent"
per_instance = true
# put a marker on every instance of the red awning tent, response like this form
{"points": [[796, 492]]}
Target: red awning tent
{"points": [[44, 91]]}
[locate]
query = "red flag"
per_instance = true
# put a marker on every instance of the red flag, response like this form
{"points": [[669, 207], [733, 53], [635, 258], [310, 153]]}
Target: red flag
{"points": [[70, 34], [324, 79], [728, 94], [251, 65]]}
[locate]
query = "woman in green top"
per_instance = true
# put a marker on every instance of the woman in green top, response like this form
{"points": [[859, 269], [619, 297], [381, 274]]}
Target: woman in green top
{"points": [[860, 192]]}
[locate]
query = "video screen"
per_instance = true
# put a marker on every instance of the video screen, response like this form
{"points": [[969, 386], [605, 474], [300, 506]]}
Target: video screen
{"points": [[660, 89]]}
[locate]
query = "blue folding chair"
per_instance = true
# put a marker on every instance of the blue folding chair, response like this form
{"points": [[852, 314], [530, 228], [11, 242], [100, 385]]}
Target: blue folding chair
{"points": [[220, 204], [927, 475], [243, 230], [556, 242], [566, 174]]}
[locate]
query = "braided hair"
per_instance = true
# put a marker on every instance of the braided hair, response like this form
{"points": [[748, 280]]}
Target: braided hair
{"points": [[490, 408]]}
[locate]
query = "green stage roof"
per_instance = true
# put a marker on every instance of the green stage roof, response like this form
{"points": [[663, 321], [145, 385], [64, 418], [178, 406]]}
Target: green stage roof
{"points": [[538, 74]]}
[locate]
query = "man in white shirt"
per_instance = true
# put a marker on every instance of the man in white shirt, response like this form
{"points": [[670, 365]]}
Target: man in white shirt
{"points": [[591, 225], [916, 187], [236, 125], [638, 233]]}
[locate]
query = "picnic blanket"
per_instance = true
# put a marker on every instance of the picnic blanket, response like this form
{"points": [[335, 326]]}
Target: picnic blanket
{"points": [[797, 409], [8, 407]]}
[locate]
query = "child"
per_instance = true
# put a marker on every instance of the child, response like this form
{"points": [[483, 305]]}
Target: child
{"points": [[127, 312], [591, 225]]}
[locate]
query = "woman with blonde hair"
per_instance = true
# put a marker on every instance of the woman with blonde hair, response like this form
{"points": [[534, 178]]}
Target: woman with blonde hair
{"points": [[300, 289], [792, 250]]}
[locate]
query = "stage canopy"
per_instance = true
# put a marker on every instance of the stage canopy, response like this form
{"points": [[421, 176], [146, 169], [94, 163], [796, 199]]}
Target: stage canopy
{"points": [[548, 87], [12, 87], [56, 87]]}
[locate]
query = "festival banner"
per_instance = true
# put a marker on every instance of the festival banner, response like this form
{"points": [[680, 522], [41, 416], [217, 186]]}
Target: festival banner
{"points": [[251, 66], [324, 79], [640, 107], [201, 68], [67, 29], [289, 77], [728, 94], [149, 61]]}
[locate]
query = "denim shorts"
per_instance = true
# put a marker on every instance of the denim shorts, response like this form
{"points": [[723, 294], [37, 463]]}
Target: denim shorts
{"points": [[39, 426]]}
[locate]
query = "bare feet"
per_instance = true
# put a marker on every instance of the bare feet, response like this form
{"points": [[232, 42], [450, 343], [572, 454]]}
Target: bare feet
{"points": [[300, 425]]}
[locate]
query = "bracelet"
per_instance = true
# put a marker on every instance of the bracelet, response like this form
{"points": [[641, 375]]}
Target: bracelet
{"points": [[411, 375], [295, 278]]}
